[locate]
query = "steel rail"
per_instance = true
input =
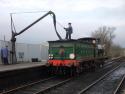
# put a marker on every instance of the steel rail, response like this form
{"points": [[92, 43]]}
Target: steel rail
{"points": [[98, 80], [43, 80], [119, 85], [53, 87], [113, 60], [26, 85], [39, 91]]}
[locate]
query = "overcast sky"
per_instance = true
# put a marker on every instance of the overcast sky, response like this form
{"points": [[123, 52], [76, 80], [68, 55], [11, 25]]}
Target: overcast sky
{"points": [[85, 16]]}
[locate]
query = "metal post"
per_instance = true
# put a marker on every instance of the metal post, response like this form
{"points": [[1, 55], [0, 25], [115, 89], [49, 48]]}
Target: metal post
{"points": [[13, 41]]}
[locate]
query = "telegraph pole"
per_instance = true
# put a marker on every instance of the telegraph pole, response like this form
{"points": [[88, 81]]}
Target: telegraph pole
{"points": [[13, 41]]}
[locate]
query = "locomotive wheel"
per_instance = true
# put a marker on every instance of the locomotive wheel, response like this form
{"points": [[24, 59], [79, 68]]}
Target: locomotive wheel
{"points": [[68, 71], [50, 70], [74, 71]]}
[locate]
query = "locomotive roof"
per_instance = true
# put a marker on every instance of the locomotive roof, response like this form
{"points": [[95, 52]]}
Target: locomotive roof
{"points": [[87, 38], [74, 40]]}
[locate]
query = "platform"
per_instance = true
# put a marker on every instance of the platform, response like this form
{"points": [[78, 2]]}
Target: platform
{"points": [[17, 74], [19, 66]]}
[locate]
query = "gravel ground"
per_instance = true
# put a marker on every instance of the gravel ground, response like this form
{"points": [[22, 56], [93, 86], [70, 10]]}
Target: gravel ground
{"points": [[82, 81]]}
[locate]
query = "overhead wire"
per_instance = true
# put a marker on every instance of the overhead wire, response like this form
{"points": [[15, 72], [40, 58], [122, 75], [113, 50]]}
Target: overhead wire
{"points": [[13, 29], [28, 12]]}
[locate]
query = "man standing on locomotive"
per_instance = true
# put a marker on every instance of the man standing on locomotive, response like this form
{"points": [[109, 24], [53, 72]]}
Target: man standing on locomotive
{"points": [[69, 31]]}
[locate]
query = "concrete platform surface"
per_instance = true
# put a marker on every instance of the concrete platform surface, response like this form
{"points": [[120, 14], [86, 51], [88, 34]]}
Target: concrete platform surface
{"points": [[11, 67]]}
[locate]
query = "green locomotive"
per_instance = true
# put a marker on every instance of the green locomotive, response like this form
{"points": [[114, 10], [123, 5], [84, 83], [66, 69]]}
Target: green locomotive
{"points": [[76, 55]]}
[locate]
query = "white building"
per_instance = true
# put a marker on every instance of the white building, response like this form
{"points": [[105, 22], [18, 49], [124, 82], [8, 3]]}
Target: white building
{"points": [[28, 52]]}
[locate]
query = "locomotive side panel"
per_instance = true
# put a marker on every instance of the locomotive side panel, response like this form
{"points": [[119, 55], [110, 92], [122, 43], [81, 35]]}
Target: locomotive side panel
{"points": [[84, 51]]}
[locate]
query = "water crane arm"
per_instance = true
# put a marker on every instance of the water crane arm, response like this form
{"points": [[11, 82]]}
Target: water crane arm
{"points": [[54, 22], [14, 34]]}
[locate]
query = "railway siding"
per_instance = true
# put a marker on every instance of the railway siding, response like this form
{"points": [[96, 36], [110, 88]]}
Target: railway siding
{"points": [[108, 84], [82, 81]]}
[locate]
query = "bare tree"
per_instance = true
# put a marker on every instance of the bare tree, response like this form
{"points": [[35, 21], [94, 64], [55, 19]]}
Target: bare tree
{"points": [[106, 36], [116, 50]]}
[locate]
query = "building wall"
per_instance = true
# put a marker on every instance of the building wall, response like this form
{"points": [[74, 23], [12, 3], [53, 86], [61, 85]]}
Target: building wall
{"points": [[22, 48], [34, 51], [44, 52], [27, 52]]}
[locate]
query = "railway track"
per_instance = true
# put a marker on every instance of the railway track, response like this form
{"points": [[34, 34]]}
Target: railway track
{"points": [[39, 86], [23, 86], [106, 84], [119, 89], [80, 82], [110, 61]]}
